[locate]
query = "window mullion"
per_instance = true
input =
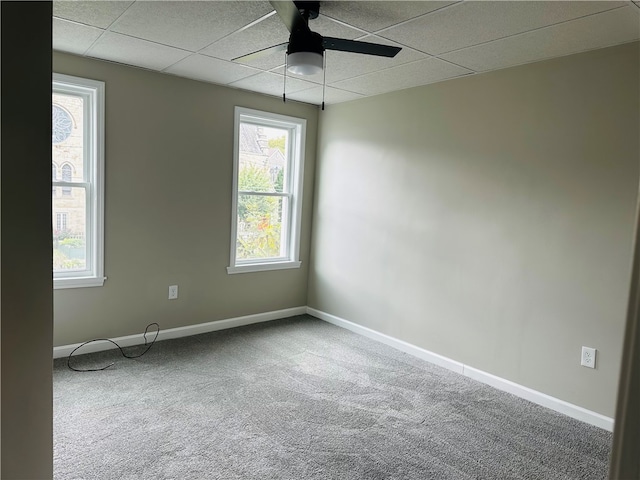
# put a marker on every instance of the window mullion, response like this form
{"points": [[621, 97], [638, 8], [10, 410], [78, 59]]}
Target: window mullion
{"points": [[264, 194], [59, 183]]}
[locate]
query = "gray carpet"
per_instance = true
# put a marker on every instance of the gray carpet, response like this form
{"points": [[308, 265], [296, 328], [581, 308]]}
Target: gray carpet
{"points": [[302, 399]]}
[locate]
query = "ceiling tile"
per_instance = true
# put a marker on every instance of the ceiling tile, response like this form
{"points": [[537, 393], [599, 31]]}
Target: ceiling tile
{"points": [[73, 37], [266, 33], [328, 27], [470, 23], [133, 51], [265, 62], [404, 76], [210, 69], [272, 84], [96, 13], [372, 16], [188, 25], [596, 31], [332, 95], [342, 65]]}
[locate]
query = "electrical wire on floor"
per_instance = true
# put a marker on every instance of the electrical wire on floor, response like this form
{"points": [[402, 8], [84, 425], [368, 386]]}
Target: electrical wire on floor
{"points": [[147, 344]]}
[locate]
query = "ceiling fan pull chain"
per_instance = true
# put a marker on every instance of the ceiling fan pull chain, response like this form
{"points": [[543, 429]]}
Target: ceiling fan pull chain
{"points": [[324, 77], [284, 87]]}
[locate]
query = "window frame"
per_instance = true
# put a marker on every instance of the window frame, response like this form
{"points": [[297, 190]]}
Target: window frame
{"points": [[295, 172], [93, 158]]}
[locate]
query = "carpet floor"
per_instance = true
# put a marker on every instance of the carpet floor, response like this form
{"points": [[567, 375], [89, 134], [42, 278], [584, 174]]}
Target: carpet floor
{"points": [[302, 399]]}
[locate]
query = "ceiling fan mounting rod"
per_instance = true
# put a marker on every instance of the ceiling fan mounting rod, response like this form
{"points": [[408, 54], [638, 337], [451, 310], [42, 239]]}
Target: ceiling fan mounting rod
{"points": [[308, 10]]}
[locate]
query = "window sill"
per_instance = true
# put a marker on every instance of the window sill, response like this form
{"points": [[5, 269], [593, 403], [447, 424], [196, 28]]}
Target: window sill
{"points": [[78, 282], [262, 267]]}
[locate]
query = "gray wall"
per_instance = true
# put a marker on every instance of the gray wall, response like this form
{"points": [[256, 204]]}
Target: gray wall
{"points": [[489, 219], [168, 161], [26, 306]]}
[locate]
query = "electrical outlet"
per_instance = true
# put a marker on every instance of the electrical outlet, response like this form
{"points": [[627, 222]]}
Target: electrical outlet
{"points": [[588, 358], [173, 292]]}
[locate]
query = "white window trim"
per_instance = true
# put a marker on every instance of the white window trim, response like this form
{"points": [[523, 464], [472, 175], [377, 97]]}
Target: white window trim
{"points": [[297, 142], [94, 277]]}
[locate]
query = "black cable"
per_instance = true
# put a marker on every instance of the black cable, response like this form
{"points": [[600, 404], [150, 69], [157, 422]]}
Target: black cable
{"points": [[149, 345]]}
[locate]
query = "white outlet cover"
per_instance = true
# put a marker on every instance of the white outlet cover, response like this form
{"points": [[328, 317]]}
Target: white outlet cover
{"points": [[173, 292], [588, 357]]}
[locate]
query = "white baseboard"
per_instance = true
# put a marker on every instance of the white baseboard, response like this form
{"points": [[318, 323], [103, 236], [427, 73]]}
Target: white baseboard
{"points": [[534, 396], [387, 340], [138, 339], [521, 391]]}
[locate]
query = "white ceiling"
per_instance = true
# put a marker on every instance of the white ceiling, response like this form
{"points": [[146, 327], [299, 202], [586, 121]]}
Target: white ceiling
{"points": [[440, 40]]}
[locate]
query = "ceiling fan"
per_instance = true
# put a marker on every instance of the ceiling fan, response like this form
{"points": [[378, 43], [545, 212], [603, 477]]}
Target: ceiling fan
{"points": [[305, 49]]}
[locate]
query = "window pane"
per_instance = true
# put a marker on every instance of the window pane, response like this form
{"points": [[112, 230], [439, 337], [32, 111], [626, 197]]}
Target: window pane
{"points": [[263, 159], [69, 231], [260, 229], [67, 134], [66, 177]]}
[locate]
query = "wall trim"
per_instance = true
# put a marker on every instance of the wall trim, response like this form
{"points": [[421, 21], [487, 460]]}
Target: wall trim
{"points": [[566, 408], [178, 332]]}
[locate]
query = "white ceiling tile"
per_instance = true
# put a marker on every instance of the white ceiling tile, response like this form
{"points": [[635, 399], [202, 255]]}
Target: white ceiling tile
{"points": [[210, 69], [188, 25], [272, 84], [374, 15], [342, 65], [266, 33], [471, 23], [73, 37], [404, 76], [328, 27], [133, 51], [332, 95], [596, 31], [96, 13], [265, 62]]}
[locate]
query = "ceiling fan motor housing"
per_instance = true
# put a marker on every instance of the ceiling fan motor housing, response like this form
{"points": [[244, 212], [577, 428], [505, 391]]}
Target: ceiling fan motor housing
{"points": [[305, 53], [301, 41]]}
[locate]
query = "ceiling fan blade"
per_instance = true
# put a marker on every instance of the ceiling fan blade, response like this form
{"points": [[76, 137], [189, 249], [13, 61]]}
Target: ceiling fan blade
{"points": [[261, 53], [290, 15], [355, 46]]}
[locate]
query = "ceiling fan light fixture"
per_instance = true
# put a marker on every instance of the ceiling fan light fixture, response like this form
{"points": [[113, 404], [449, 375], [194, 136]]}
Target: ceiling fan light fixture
{"points": [[304, 63]]}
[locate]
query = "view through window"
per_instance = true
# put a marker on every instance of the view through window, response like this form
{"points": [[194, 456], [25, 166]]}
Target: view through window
{"points": [[267, 190], [76, 188]]}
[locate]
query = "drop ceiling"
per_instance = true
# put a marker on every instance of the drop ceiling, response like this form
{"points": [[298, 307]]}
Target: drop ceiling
{"points": [[440, 40]]}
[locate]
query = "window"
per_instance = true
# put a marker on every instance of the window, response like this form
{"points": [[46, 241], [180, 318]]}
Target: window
{"points": [[77, 148], [61, 221], [66, 177], [267, 191]]}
